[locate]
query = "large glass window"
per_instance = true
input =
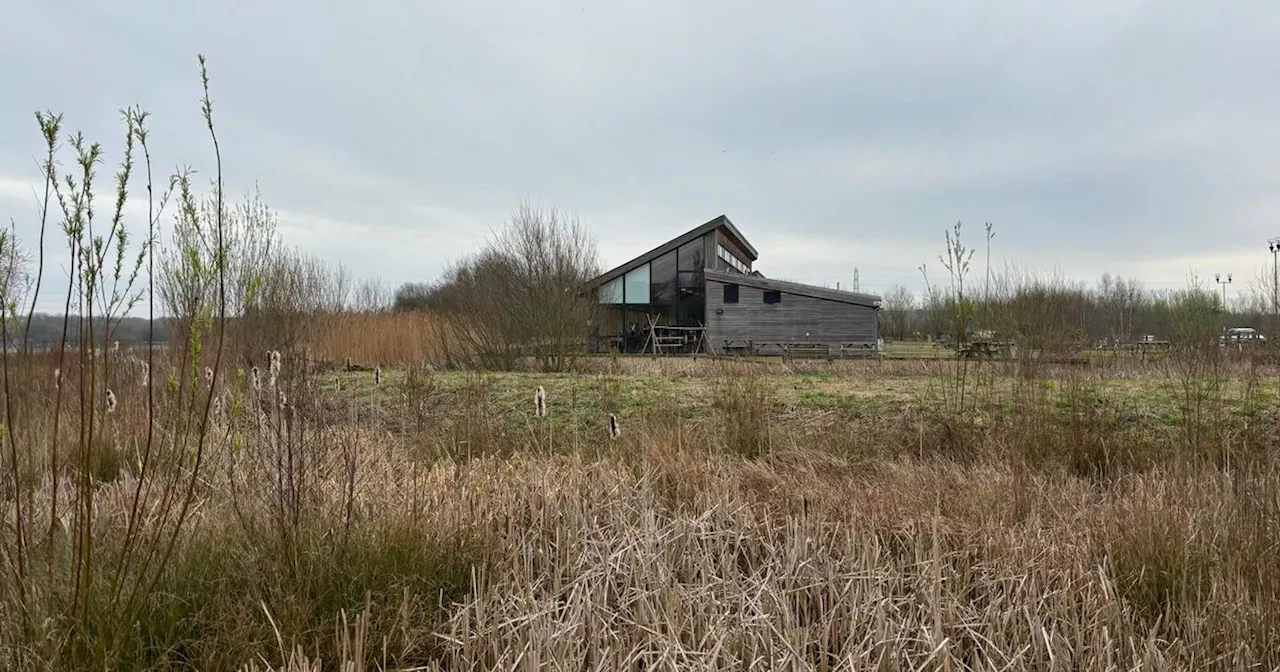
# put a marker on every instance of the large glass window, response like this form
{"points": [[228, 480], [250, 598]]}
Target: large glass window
{"points": [[611, 292], [691, 264], [691, 307], [730, 293], [691, 257], [662, 280], [637, 285]]}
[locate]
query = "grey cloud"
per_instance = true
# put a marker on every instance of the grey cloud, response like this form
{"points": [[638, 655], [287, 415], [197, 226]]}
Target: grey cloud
{"points": [[1096, 135]]}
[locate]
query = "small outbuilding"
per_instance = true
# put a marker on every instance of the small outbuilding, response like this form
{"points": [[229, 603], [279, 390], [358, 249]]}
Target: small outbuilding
{"points": [[700, 293]]}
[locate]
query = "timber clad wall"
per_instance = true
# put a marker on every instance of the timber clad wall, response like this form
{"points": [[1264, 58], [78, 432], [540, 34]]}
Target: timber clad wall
{"points": [[797, 318], [681, 284]]}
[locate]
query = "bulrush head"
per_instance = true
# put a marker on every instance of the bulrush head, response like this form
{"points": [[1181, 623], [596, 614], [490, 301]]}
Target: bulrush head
{"points": [[540, 402], [614, 430], [57, 378], [111, 401], [255, 378], [208, 375], [377, 375], [273, 372]]}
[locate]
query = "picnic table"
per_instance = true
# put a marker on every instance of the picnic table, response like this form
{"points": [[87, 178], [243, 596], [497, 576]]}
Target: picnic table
{"points": [[982, 348]]}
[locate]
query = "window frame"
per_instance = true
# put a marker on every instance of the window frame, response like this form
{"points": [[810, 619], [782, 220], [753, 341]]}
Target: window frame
{"points": [[636, 280], [730, 258], [612, 293]]}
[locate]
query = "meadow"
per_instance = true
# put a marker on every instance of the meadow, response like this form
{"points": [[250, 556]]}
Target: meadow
{"points": [[296, 484], [749, 514]]}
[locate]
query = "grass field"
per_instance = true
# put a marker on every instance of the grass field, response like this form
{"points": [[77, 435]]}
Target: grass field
{"points": [[846, 515]]}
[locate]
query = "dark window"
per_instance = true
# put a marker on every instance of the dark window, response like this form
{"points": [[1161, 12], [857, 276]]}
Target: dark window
{"points": [[773, 297], [689, 266], [730, 293], [662, 280], [691, 260]]}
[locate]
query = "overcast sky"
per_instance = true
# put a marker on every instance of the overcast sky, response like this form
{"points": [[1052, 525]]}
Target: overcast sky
{"points": [[1138, 138]]}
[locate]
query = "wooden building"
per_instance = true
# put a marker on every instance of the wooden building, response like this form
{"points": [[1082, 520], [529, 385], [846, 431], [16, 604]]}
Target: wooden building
{"points": [[700, 293]]}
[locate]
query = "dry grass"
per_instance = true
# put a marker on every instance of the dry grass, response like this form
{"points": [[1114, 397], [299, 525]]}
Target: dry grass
{"points": [[823, 516]]}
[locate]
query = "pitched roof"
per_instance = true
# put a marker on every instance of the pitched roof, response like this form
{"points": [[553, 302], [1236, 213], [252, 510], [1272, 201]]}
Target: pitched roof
{"points": [[759, 282], [716, 223]]}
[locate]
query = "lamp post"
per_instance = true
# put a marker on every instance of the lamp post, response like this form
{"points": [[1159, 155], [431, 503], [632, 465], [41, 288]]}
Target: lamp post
{"points": [[1218, 279], [1273, 244]]}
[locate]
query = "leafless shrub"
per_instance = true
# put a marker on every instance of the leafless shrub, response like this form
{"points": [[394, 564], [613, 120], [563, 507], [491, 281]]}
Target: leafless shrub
{"points": [[523, 294]]}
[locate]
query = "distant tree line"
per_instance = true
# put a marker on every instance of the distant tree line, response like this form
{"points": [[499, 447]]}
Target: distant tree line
{"points": [[1041, 310], [419, 296], [1114, 309], [46, 330]]}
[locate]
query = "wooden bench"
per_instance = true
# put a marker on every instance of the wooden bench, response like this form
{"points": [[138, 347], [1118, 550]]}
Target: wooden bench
{"points": [[737, 346], [808, 351], [662, 343], [858, 349]]}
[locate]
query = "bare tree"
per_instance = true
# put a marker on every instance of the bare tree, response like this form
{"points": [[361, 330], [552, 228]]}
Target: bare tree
{"points": [[1116, 302], [1042, 314], [275, 293], [370, 295], [897, 306], [295, 291], [250, 242], [935, 305], [523, 294]]}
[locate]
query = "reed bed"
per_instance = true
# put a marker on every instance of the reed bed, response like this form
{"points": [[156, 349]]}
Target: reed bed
{"points": [[442, 520], [599, 564], [398, 338]]}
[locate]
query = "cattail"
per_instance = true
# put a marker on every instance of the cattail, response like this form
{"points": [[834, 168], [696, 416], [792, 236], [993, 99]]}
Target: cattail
{"points": [[540, 402], [57, 378], [146, 375], [274, 371], [115, 347], [217, 406], [614, 430], [377, 376], [284, 401], [208, 375], [111, 401], [255, 378], [337, 384]]}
